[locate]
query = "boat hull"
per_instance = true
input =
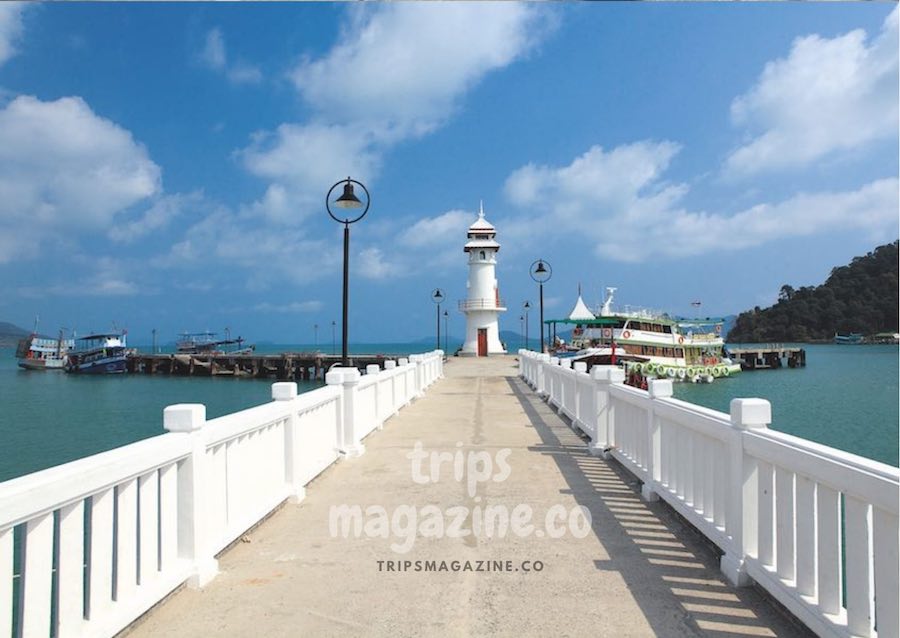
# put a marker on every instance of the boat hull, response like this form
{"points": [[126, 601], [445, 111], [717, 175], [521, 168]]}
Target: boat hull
{"points": [[101, 366], [41, 364]]}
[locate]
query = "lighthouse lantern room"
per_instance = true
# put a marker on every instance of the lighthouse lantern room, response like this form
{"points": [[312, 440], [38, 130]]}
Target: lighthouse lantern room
{"points": [[482, 305]]}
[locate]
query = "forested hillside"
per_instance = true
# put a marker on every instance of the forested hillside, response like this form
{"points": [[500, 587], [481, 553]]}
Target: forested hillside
{"points": [[860, 297]]}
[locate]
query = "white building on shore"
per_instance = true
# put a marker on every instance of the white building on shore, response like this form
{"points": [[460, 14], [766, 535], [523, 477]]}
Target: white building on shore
{"points": [[482, 305]]}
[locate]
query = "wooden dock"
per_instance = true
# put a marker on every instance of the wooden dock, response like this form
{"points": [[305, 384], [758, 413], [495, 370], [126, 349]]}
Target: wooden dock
{"points": [[285, 366], [769, 356]]}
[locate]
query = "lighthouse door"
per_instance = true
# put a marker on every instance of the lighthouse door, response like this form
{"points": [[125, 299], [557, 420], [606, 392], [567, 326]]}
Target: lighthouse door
{"points": [[482, 342]]}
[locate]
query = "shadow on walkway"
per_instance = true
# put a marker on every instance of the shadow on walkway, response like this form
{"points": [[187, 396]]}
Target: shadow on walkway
{"points": [[669, 567]]}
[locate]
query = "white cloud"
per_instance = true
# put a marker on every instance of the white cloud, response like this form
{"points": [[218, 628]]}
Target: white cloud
{"points": [[436, 231], [292, 307], [403, 66], [214, 57], [263, 255], [372, 264], [106, 280], [63, 169], [213, 54], [303, 161], [827, 95], [10, 28], [397, 71], [620, 202], [157, 217]]}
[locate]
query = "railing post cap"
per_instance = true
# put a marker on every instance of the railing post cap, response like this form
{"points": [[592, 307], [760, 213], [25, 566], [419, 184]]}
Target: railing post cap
{"points": [[580, 366], [335, 376], [184, 417], [390, 364], [372, 368], [751, 414], [660, 388], [351, 376], [403, 361], [439, 353], [284, 391], [608, 374]]}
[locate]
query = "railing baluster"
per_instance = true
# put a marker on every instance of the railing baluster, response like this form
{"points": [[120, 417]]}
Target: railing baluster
{"points": [[6, 581], [860, 585], [100, 566], [37, 582], [885, 542], [784, 523], [829, 549]]}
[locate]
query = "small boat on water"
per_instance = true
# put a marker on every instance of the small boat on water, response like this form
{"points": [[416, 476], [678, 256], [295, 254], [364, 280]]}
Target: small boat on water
{"points": [[38, 353], [205, 343], [98, 354], [852, 339]]}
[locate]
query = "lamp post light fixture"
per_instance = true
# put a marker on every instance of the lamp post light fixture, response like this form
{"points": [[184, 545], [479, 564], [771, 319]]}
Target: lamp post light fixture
{"points": [[437, 296], [446, 331], [541, 273], [526, 306], [346, 202]]}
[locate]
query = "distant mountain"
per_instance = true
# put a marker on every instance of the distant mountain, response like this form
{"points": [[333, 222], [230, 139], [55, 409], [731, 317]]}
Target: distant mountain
{"points": [[859, 297], [10, 334]]}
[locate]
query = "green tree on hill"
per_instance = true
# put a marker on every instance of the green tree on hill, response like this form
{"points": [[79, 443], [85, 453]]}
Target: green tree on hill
{"points": [[859, 297]]}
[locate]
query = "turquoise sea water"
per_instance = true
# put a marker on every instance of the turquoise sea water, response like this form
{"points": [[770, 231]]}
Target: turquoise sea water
{"points": [[846, 397], [48, 418]]}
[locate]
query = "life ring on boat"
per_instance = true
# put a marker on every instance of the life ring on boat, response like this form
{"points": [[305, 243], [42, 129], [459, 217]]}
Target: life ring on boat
{"points": [[626, 335], [717, 371], [650, 368], [682, 373], [680, 339], [670, 372], [725, 371], [708, 371]]}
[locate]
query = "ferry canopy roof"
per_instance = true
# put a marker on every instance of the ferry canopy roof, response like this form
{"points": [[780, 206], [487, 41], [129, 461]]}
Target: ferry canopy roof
{"points": [[599, 321]]}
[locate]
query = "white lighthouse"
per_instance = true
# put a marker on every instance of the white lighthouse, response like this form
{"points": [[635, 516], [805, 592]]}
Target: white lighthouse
{"points": [[482, 306]]}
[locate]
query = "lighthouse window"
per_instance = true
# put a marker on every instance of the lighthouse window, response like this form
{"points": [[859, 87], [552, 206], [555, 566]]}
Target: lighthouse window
{"points": [[482, 254]]}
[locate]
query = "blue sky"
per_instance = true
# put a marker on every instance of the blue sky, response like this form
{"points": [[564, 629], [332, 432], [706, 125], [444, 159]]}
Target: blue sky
{"points": [[165, 165]]}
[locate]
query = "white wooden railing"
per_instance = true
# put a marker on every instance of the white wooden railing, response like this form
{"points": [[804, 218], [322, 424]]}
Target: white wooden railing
{"points": [[815, 526], [104, 538]]}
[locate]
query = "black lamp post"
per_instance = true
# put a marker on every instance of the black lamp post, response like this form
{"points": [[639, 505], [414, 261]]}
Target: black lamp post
{"points": [[522, 326], [333, 339], [347, 201], [437, 296], [526, 306], [541, 272], [446, 332]]}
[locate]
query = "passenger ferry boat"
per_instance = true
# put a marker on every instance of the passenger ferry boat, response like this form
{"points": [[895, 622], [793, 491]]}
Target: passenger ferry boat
{"points": [[651, 344], [37, 353], [98, 354]]}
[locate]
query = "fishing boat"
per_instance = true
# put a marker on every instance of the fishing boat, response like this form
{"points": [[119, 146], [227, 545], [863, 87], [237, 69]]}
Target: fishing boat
{"points": [[650, 343], [852, 339], [98, 354], [38, 353], [205, 343]]}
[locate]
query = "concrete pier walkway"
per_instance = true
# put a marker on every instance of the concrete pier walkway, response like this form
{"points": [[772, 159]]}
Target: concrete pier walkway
{"points": [[639, 571]]}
